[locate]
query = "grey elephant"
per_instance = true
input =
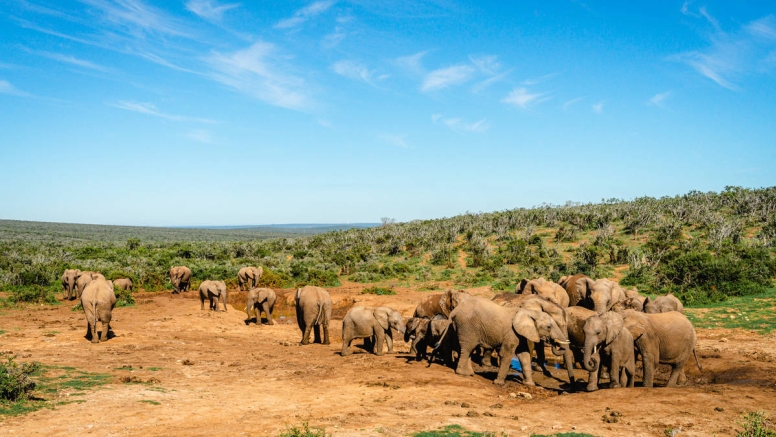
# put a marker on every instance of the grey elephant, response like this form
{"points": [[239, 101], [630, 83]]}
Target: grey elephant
{"points": [[569, 283], [481, 322], [125, 284], [261, 299], [631, 303], [98, 300], [213, 291], [313, 313], [68, 283], [367, 322], [83, 279], [548, 290], [600, 295], [607, 339], [440, 304], [663, 304], [664, 338], [180, 276], [248, 277], [422, 332]]}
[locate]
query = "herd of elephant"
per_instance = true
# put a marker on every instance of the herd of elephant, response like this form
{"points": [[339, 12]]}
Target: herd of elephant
{"points": [[596, 323]]}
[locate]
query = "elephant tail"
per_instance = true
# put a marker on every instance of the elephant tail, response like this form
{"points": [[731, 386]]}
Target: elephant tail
{"points": [[698, 363], [320, 314]]}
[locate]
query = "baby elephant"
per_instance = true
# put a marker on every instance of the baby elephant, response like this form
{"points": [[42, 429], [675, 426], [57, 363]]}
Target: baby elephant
{"points": [[365, 322], [98, 300], [606, 332], [125, 284], [212, 290], [261, 299], [663, 304]]}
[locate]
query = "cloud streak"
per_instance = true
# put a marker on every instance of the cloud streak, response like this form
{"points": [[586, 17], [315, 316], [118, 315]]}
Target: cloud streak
{"points": [[523, 98], [210, 10], [67, 59], [7, 88], [304, 14], [357, 71], [657, 99], [458, 125], [136, 15], [446, 77], [150, 109]]}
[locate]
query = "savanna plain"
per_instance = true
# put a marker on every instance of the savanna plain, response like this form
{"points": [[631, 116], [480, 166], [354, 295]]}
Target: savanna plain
{"points": [[169, 368]]}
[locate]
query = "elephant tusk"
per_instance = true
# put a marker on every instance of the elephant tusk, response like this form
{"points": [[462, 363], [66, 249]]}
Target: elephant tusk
{"points": [[562, 341], [595, 349]]}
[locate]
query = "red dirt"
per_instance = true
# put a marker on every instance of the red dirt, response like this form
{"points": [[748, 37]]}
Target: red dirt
{"points": [[256, 380]]}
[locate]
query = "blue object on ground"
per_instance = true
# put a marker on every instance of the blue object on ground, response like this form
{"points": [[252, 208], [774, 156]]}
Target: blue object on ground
{"points": [[516, 365], [557, 365]]}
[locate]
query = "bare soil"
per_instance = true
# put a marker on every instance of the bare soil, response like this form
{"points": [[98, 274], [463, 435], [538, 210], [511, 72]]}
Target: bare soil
{"points": [[218, 376]]}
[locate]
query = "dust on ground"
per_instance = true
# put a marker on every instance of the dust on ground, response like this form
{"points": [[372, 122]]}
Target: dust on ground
{"points": [[218, 376]]}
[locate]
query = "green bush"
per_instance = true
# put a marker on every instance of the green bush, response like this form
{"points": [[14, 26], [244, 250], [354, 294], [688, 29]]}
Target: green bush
{"points": [[756, 424], [124, 298], [15, 381], [303, 431], [33, 294], [380, 291]]}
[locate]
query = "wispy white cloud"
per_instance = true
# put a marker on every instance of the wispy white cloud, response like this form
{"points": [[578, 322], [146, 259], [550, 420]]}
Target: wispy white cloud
{"points": [[305, 14], [572, 102], [538, 80], [657, 99], [325, 123], [333, 39], [598, 107], [201, 136], [210, 10], [446, 77], [487, 64], [523, 98], [394, 140], [151, 109], [7, 88], [412, 63], [254, 71], [764, 28], [73, 61], [357, 71], [458, 125], [136, 15]]}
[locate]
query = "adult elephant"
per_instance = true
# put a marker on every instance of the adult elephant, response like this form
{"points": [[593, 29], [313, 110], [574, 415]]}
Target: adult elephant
{"points": [[68, 283], [261, 299], [664, 338], [313, 313], [480, 322], [548, 290], [213, 291], [366, 322], [125, 284], [84, 278], [601, 294], [569, 283], [180, 276], [440, 304], [98, 300], [663, 304], [607, 341], [248, 277]]}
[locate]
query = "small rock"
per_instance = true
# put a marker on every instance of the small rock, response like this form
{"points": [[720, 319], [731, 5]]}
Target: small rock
{"points": [[524, 395], [573, 428], [523, 428], [187, 362], [489, 414], [515, 418], [513, 395], [720, 409], [496, 406], [451, 403], [472, 413], [557, 426], [465, 405], [724, 340]]}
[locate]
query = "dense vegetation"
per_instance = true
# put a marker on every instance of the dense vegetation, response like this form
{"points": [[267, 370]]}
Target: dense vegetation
{"points": [[703, 247]]}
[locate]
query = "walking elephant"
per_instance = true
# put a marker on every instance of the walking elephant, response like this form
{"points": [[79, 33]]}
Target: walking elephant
{"points": [[481, 322], [248, 277], [68, 283], [663, 304], [180, 276], [607, 340], [98, 300], [313, 313], [366, 322], [440, 304], [422, 332], [124, 284], [664, 338], [600, 295], [83, 279], [261, 299], [569, 283], [213, 291], [548, 290]]}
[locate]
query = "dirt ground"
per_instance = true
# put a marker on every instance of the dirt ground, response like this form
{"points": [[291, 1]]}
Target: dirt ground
{"points": [[217, 376]]}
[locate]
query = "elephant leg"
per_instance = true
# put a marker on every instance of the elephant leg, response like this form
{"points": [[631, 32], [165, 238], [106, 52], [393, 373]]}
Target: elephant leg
{"points": [[326, 333], [389, 341], [347, 338], [316, 333], [525, 362], [418, 347], [592, 379], [223, 298], [541, 357], [614, 372], [676, 371], [201, 302], [248, 311], [95, 336], [505, 353], [379, 342], [568, 360], [105, 329], [268, 312], [649, 365], [465, 361], [306, 333]]}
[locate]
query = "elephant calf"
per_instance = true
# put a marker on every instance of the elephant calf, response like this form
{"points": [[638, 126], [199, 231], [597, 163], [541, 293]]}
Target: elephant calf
{"points": [[663, 304], [212, 290], [313, 313], [365, 322], [98, 300], [125, 284], [607, 332], [261, 299]]}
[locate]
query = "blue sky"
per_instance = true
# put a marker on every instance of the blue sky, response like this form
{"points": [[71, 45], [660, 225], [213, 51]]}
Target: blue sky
{"points": [[222, 113]]}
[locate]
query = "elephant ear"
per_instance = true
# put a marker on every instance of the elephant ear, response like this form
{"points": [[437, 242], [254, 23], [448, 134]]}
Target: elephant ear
{"points": [[382, 318], [412, 324], [521, 286], [524, 324], [586, 285], [614, 325], [636, 325], [298, 293], [647, 301]]}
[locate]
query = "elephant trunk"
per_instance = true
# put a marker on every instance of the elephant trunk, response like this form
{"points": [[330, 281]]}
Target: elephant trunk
{"points": [[591, 358], [557, 351]]}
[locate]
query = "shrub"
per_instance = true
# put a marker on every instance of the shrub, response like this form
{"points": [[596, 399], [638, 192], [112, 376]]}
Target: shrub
{"points": [[15, 382], [304, 431], [124, 298], [380, 291], [756, 424], [365, 277]]}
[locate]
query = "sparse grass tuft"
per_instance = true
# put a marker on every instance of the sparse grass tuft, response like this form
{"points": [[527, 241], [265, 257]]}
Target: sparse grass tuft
{"points": [[453, 431], [303, 431], [380, 291], [756, 424]]}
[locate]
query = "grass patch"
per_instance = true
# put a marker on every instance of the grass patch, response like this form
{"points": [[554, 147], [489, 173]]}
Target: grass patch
{"points": [[380, 291], [756, 312], [756, 424], [303, 431], [453, 431], [564, 434], [124, 367], [148, 401], [154, 369]]}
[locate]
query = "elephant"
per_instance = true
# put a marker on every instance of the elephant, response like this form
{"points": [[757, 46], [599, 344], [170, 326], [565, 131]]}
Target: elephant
{"points": [[663, 304], [440, 304], [365, 322], [180, 276], [83, 279], [481, 322], [663, 338], [124, 284], [422, 332], [98, 300], [261, 299], [249, 277], [548, 290], [574, 292], [631, 303], [213, 291], [68, 283], [313, 312], [607, 333], [601, 294]]}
